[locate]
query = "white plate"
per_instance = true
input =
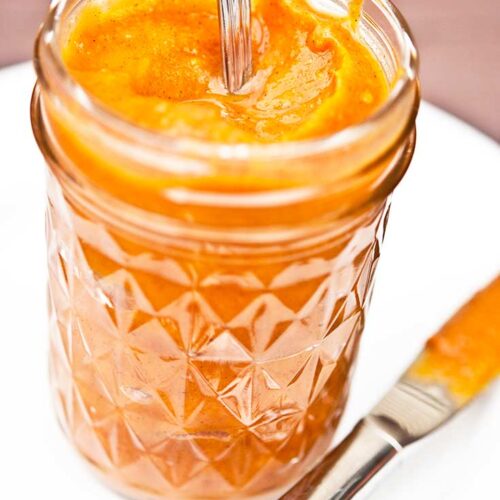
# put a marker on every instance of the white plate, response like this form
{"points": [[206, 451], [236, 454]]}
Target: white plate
{"points": [[442, 244]]}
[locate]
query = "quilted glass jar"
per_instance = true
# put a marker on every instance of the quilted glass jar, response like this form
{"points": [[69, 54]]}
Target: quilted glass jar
{"points": [[207, 300]]}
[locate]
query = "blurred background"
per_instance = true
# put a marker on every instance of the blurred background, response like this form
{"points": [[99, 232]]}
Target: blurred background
{"points": [[459, 42]]}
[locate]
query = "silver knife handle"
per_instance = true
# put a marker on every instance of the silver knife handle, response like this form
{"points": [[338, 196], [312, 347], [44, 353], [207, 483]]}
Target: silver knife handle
{"points": [[408, 412], [346, 470]]}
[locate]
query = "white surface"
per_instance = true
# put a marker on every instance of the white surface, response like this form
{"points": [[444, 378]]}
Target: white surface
{"points": [[443, 243]]}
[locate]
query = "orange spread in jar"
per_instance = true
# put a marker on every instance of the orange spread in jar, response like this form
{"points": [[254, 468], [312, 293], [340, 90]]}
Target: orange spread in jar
{"points": [[157, 63], [201, 372]]}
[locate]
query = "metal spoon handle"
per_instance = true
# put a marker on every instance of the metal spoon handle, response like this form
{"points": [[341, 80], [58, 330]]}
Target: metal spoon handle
{"points": [[236, 42]]}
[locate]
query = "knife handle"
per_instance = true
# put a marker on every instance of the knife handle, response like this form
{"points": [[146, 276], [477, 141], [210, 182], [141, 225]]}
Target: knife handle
{"points": [[345, 471]]}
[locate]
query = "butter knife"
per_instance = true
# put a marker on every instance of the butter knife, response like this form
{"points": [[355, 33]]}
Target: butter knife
{"points": [[456, 364]]}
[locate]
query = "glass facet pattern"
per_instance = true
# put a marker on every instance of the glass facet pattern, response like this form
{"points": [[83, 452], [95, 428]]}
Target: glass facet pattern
{"points": [[203, 378]]}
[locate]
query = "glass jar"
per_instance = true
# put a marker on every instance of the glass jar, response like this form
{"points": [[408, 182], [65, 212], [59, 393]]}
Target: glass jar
{"points": [[207, 300]]}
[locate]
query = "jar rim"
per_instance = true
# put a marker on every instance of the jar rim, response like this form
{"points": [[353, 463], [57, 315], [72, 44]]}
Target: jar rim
{"points": [[48, 57]]}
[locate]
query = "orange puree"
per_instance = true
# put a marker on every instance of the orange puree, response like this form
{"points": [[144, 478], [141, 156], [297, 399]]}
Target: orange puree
{"points": [[465, 353], [157, 63]]}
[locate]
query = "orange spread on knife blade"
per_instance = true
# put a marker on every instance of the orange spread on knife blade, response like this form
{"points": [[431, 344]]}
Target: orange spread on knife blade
{"points": [[464, 355]]}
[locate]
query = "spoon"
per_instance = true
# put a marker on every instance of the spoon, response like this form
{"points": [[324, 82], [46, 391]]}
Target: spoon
{"points": [[236, 42]]}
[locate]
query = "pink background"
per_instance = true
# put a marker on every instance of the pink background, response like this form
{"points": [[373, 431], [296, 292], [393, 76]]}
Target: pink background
{"points": [[459, 42]]}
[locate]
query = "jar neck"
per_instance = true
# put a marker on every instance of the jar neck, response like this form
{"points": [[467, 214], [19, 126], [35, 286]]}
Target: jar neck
{"points": [[272, 217], [126, 171]]}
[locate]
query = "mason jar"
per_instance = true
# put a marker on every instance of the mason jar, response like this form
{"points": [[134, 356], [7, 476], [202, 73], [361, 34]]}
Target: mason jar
{"points": [[207, 300]]}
